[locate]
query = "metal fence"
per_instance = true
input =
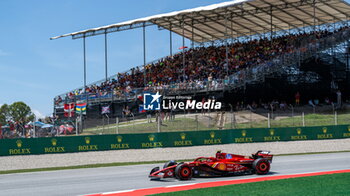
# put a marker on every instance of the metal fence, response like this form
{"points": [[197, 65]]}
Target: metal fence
{"points": [[166, 122]]}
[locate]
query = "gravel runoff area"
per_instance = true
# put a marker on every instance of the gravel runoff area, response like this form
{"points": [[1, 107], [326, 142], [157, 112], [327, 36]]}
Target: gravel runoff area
{"points": [[159, 154]]}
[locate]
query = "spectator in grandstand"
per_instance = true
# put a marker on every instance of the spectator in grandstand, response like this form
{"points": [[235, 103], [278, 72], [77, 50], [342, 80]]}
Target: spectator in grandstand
{"points": [[149, 116], [311, 103], [283, 105], [327, 101], [11, 125]]}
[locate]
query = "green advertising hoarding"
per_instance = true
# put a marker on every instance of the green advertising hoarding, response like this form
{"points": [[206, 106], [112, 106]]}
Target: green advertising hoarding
{"points": [[26, 146]]}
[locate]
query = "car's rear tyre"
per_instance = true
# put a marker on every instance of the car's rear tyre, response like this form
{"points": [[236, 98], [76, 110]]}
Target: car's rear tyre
{"points": [[261, 166], [183, 172], [169, 163], [154, 170]]}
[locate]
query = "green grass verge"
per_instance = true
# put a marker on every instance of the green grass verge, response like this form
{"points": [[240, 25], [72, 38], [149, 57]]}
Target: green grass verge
{"points": [[295, 121], [183, 123], [126, 163], [332, 184], [141, 126]]}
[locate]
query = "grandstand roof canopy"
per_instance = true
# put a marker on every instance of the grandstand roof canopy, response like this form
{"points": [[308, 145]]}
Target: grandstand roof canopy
{"points": [[235, 18]]}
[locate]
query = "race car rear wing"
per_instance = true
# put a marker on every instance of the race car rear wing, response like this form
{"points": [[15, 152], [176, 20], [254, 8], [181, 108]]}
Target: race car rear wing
{"points": [[263, 154]]}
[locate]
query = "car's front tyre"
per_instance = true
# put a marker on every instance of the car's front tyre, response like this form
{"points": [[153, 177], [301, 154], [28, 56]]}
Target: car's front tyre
{"points": [[183, 172]]}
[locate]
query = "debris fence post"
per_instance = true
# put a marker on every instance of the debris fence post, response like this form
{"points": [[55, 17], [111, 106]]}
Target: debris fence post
{"points": [[268, 121], [303, 118], [335, 118]]}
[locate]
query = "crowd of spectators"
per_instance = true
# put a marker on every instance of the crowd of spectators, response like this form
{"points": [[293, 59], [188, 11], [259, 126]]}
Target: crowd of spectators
{"points": [[203, 67], [15, 129]]}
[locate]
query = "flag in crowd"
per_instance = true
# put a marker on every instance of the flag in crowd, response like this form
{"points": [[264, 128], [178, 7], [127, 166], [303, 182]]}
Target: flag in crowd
{"points": [[81, 108], [105, 110], [69, 110]]}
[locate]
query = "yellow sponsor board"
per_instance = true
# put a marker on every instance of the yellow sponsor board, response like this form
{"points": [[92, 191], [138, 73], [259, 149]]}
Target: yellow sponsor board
{"points": [[325, 135], [87, 147], [19, 149], [299, 135], [272, 136], [120, 144], [54, 148], [151, 143], [212, 139], [243, 139], [183, 141]]}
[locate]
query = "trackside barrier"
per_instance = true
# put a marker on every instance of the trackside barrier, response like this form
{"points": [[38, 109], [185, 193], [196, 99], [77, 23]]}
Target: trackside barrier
{"points": [[66, 144]]}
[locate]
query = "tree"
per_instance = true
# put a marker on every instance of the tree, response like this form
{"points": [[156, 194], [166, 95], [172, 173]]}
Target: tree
{"points": [[4, 114], [19, 111]]}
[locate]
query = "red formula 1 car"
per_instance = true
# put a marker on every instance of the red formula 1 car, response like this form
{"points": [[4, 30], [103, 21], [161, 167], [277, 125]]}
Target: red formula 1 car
{"points": [[223, 164]]}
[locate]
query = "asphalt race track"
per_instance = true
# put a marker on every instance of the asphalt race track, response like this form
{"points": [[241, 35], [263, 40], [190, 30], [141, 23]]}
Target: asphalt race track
{"points": [[109, 179]]}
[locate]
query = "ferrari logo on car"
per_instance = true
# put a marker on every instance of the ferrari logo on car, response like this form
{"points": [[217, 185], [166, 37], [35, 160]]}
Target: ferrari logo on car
{"points": [[219, 166], [19, 143], [244, 133], [54, 142], [272, 132], [324, 129], [183, 136], [212, 134], [298, 131], [87, 140], [119, 138], [151, 138]]}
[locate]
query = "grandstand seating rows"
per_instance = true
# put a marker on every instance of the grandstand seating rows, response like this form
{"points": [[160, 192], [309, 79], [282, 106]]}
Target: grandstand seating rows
{"points": [[205, 67]]}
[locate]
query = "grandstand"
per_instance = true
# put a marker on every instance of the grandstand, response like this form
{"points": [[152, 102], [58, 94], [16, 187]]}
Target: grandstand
{"points": [[246, 51]]}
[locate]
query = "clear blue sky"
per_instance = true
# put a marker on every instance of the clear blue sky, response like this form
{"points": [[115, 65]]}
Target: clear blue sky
{"points": [[34, 69]]}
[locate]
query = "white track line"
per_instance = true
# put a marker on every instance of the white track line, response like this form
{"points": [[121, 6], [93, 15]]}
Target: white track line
{"points": [[180, 185], [124, 191]]}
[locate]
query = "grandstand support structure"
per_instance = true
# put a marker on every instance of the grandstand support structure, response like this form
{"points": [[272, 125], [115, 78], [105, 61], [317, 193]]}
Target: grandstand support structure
{"points": [[235, 21]]}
